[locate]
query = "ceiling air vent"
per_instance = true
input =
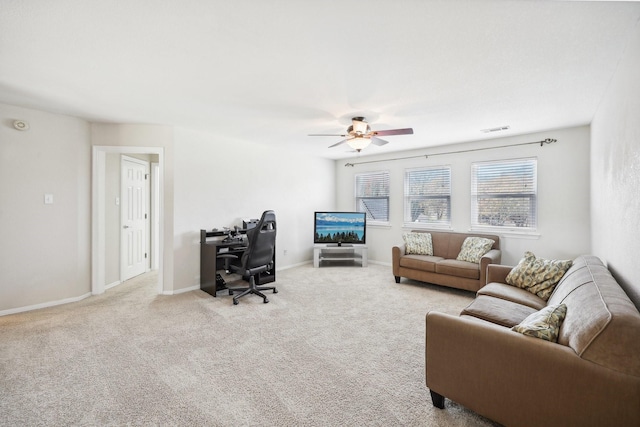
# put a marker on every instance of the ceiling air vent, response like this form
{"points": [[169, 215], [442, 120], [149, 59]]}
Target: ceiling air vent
{"points": [[498, 129]]}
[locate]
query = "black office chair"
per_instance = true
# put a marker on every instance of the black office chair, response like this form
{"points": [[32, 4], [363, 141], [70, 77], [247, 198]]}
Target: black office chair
{"points": [[258, 257]]}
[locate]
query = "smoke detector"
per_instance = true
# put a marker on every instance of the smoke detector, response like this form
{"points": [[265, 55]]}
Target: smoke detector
{"points": [[20, 125]]}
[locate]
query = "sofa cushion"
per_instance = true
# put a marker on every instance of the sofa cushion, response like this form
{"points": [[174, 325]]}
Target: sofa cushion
{"points": [[537, 275], [473, 248], [543, 324], [420, 262], [457, 268], [513, 294], [498, 311], [418, 243]]}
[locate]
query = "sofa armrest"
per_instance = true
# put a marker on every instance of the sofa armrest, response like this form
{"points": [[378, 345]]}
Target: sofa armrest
{"points": [[494, 256], [396, 252], [500, 374], [498, 273]]}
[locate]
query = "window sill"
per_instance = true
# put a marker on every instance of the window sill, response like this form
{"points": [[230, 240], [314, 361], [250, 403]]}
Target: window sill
{"points": [[508, 232], [422, 226], [373, 224]]}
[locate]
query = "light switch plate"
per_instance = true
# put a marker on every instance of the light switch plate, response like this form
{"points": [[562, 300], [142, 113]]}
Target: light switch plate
{"points": [[48, 199]]}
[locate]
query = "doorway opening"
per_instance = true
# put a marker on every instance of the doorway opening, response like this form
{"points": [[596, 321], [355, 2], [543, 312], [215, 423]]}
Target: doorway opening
{"points": [[99, 210]]}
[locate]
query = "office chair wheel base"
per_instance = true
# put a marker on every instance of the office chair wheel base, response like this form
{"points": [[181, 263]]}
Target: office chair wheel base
{"points": [[265, 301], [235, 302], [275, 291], [230, 292]]}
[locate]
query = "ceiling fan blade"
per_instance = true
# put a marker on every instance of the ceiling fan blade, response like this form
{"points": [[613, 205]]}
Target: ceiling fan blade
{"points": [[378, 141], [338, 143], [405, 131], [327, 134]]}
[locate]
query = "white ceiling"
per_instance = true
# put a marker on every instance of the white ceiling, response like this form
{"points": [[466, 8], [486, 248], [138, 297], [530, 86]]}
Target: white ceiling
{"points": [[273, 71]]}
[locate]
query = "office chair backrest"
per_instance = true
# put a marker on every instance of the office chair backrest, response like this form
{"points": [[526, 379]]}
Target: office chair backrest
{"points": [[262, 242]]}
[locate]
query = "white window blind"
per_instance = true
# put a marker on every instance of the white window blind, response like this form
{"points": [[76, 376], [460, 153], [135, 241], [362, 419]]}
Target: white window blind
{"points": [[427, 196], [372, 195], [504, 194]]}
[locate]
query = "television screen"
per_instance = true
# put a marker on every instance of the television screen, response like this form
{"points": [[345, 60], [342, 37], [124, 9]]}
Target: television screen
{"points": [[340, 227]]}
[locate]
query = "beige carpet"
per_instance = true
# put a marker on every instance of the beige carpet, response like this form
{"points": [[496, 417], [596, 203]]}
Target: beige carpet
{"points": [[337, 346]]}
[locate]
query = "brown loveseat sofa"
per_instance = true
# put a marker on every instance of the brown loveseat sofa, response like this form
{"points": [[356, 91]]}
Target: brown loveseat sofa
{"points": [[442, 268], [589, 377]]}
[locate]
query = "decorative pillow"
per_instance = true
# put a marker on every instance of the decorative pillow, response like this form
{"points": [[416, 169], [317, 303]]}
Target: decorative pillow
{"points": [[418, 243], [538, 276], [473, 248], [543, 324]]}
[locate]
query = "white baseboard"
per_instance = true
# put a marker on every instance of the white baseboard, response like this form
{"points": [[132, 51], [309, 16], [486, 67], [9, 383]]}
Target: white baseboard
{"points": [[386, 264], [43, 305], [286, 267], [181, 291], [111, 285]]}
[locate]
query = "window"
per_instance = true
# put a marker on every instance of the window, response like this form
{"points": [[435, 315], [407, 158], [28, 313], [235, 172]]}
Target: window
{"points": [[427, 196], [372, 195], [504, 194]]}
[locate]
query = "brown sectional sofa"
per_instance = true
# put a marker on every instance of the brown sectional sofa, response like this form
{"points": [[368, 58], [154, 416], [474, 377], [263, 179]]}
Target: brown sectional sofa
{"points": [[590, 377], [442, 268]]}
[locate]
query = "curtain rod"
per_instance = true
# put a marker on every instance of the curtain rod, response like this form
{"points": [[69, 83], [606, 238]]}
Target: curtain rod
{"points": [[426, 156]]}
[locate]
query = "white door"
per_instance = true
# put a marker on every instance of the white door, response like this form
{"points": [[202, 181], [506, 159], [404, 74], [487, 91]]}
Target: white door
{"points": [[133, 251]]}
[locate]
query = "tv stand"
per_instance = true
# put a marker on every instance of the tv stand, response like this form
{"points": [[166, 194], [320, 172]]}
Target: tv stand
{"points": [[333, 252]]}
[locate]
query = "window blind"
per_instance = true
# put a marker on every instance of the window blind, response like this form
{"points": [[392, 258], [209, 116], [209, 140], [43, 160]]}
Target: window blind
{"points": [[427, 196], [504, 194], [372, 195]]}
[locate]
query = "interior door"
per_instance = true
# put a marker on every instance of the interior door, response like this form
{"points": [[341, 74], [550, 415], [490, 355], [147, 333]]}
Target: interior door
{"points": [[133, 214]]}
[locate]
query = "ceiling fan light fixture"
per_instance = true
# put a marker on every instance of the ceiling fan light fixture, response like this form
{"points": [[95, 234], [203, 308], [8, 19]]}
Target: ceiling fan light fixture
{"points": [[359, 143], [359, 135], [360, 125]]}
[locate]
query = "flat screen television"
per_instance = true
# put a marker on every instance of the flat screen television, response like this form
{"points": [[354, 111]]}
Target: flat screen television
{"points": [[340, 228]]}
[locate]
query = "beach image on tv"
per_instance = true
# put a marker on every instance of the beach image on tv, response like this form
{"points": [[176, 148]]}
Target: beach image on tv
{"points": [[345, 227]]}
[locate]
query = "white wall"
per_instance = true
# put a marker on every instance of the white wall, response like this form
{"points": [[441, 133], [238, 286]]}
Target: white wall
{"points": [[563, 192], [218, 183], [44, 249], [615, 178]]}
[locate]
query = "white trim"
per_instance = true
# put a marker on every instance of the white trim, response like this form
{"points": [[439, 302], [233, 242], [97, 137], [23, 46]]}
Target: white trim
{"points": [[182, 290], [155, 208], [98, 211], [515, 235], [112, 284], [286, 267], [44, 305], [426, 226], [507, 232], [378, 224]]}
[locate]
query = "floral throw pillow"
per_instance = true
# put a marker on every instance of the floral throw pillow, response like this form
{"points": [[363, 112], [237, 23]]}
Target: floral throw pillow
{"points": [[473, 248], [418, 243], [538, 276], [543, 324]]}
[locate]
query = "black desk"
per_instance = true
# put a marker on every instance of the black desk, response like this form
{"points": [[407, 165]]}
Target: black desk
{"points": [[211, 263]]}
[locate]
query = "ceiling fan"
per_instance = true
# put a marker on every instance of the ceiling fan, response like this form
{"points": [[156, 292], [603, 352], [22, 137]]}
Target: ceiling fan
{"points": [[359, 135]]}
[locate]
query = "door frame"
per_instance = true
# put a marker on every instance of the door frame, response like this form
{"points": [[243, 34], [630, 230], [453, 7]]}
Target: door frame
{"points": [[155, 210], [98, 209]]}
